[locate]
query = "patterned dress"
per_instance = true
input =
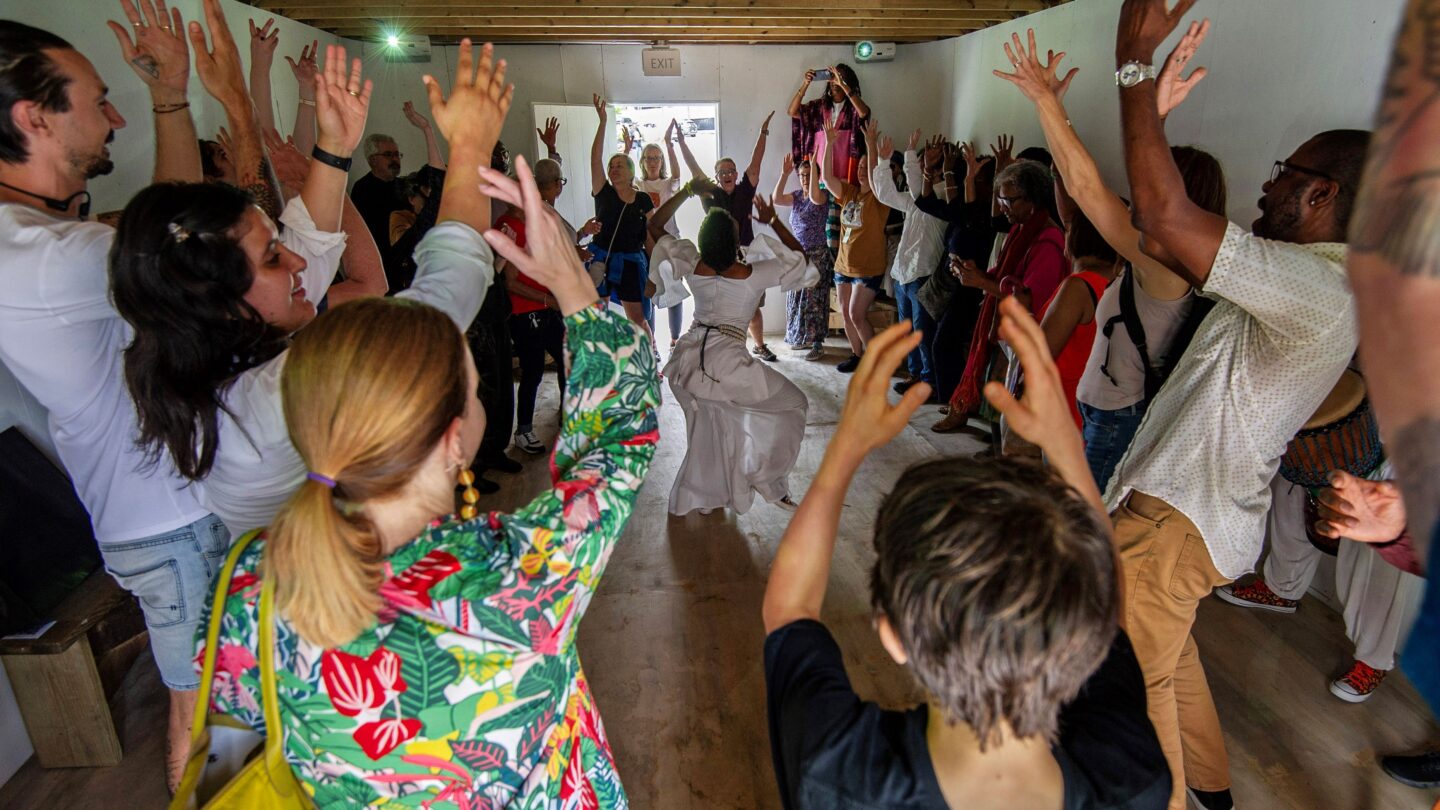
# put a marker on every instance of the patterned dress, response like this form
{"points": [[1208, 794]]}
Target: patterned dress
{"points": [[807, 312], [468, 691]]}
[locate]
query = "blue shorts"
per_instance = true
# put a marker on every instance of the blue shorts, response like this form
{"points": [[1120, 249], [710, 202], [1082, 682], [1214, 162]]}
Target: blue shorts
{"points": [[171, 575], [873, 282]]}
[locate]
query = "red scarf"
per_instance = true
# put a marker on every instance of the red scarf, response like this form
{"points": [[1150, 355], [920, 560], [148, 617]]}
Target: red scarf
{"points": [[966, 399]]}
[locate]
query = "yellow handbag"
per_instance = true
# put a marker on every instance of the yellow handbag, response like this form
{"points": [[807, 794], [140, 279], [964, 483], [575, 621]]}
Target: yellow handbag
{"points": [[265, 780]]}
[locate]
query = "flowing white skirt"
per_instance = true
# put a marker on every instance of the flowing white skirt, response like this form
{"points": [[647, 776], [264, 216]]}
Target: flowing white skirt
{"points": [[744, 426]]}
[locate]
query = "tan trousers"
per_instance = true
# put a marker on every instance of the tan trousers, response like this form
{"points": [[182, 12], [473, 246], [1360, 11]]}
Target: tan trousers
{"points": [[1167, 571]]}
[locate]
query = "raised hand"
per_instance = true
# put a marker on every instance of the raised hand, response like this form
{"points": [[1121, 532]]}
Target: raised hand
{"points": [[290, 166], [871, 130], [341, 104], [970, 151], [219, 66], [306, 69], [809, 76], [949, 157], [677, 129], [1042, 414], [158, 54], [1001, 150], [601, 108], [1170, 88], [867, 419], [416, 120], [1360, 509], [885, 147], [1144, 24], [839, 80], [1035, 79], [764, 210], [548, 256], [263, 42], [787, 164], [765, 127], [914, 142], [478, 103], [934, 152]]}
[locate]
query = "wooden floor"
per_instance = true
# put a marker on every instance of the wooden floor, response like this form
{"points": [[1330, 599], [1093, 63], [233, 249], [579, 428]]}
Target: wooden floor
{"points": [[672, 645]]}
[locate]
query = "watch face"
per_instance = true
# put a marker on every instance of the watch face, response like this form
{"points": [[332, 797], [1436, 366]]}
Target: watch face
{"points": [[1130, 74]]}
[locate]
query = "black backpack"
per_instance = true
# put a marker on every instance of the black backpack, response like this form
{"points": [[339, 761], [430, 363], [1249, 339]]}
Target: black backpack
{"points": [[1155, 374]]}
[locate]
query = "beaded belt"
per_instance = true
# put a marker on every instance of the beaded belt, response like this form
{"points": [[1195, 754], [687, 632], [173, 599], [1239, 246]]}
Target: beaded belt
{"points": [[724, 329]]}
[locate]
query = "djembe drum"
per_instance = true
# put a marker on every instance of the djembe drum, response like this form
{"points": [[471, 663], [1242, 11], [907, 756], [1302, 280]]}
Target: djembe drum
{"points": [[1342, 435]]}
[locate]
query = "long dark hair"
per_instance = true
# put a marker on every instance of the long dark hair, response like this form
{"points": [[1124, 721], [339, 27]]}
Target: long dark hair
{"points": [[179, 276]]}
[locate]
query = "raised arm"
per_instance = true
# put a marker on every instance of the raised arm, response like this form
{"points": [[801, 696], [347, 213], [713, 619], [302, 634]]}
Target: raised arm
{"points": [[433, 157], [757, 155], [549, 136], [798, 100], [872, 136], [263, 42], [690, 161], [1162, 211], [670, 148], [787, 165], [882, 181], [342, 103], [801, 571], [597, 147], [304, 71], [1394, 241], [160, 57], [1103, 207], [765, 215], [364, 269], [470, 120]]}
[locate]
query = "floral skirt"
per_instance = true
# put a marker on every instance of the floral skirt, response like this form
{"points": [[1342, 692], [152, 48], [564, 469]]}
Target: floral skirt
{"points": [[807, 312]]}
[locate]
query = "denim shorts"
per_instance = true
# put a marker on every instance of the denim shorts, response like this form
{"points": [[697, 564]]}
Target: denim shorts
{"points": [[171, 575], [873, 282]]}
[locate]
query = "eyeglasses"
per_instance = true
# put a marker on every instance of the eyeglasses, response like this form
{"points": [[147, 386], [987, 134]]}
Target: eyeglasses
{"points": [[1007, 201], [1282, 168], [391, 155], [727, 173]]}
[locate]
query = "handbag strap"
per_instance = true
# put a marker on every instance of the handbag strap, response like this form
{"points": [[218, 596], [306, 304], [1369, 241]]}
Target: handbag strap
{"points": [[269, 697], [212, 633], [618, 220]]}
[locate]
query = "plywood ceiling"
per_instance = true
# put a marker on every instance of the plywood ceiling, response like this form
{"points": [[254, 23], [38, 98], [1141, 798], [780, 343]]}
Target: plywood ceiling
{"points": [[671, 21]]}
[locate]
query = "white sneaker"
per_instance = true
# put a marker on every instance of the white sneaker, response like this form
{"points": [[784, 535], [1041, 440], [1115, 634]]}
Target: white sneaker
{"points": [[529, 443]]}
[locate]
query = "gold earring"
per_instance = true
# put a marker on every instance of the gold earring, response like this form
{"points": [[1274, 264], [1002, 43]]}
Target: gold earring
{"points": [[470, 496]]}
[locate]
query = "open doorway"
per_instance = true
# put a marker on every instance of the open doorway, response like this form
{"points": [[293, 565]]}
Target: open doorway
{"points": [[645, 123]]}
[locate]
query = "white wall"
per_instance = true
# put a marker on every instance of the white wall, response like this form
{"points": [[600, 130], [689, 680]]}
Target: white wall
{"points": [[1280, 72]]}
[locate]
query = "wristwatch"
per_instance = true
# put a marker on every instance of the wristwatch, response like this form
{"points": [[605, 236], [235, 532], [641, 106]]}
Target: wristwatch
{"points": [[1132, 73]]}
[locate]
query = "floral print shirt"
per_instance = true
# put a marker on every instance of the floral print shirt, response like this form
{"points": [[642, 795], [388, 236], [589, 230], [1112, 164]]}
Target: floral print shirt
{"points": [[468, 692]]}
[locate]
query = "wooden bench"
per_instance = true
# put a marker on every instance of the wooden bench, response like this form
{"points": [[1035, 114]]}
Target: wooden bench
{"points": [[64, 679]]}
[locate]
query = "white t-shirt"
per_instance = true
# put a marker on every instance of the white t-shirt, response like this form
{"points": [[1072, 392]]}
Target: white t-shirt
{"points": [[256, 467], [62, 339], [660, 191], [1282, 330]]}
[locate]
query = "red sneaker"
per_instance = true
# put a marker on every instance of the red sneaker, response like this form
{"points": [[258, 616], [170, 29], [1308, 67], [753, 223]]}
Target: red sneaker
{"points": [[1358, 684], [1256, 595]]}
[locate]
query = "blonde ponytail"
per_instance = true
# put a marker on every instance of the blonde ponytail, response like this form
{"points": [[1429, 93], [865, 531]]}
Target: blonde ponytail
{"points": [[369, 390]]}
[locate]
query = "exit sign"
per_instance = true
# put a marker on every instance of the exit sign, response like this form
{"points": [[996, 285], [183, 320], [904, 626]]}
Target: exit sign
{"points": [[661, 61]]}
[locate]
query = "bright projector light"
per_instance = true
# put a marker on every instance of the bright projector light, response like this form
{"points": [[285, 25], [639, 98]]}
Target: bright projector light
{"points": [[392, 40], [864, 50]]}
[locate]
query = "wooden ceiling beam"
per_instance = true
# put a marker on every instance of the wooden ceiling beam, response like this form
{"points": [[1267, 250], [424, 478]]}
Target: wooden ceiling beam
{"points": [[418, 16], [671, 34], [303, 7], [365, 30]]}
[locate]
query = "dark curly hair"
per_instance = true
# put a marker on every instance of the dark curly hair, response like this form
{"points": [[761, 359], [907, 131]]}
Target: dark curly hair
{"points": [[719, 242], [179, 276]]}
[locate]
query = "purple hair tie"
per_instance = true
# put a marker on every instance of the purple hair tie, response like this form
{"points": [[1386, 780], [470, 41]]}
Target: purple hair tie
{"points": [[327, 481]]}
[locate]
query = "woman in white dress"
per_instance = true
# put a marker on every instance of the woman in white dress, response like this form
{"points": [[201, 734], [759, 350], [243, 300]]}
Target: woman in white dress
{"points": [[744, 420]]}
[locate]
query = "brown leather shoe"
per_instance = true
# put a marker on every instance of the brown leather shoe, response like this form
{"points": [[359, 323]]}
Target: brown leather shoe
{"points": [[952, 422]]}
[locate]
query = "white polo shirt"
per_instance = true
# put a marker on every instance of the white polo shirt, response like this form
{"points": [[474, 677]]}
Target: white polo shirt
{"points": [[1282, 330], [62, 339]]}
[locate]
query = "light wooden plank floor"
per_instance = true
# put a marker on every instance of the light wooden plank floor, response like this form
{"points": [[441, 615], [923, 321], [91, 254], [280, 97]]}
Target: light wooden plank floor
{"points": [[672, 645]]}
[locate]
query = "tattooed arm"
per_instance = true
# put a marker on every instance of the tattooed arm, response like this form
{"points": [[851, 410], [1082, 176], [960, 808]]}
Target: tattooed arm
{"points": [[1394, 264]]}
